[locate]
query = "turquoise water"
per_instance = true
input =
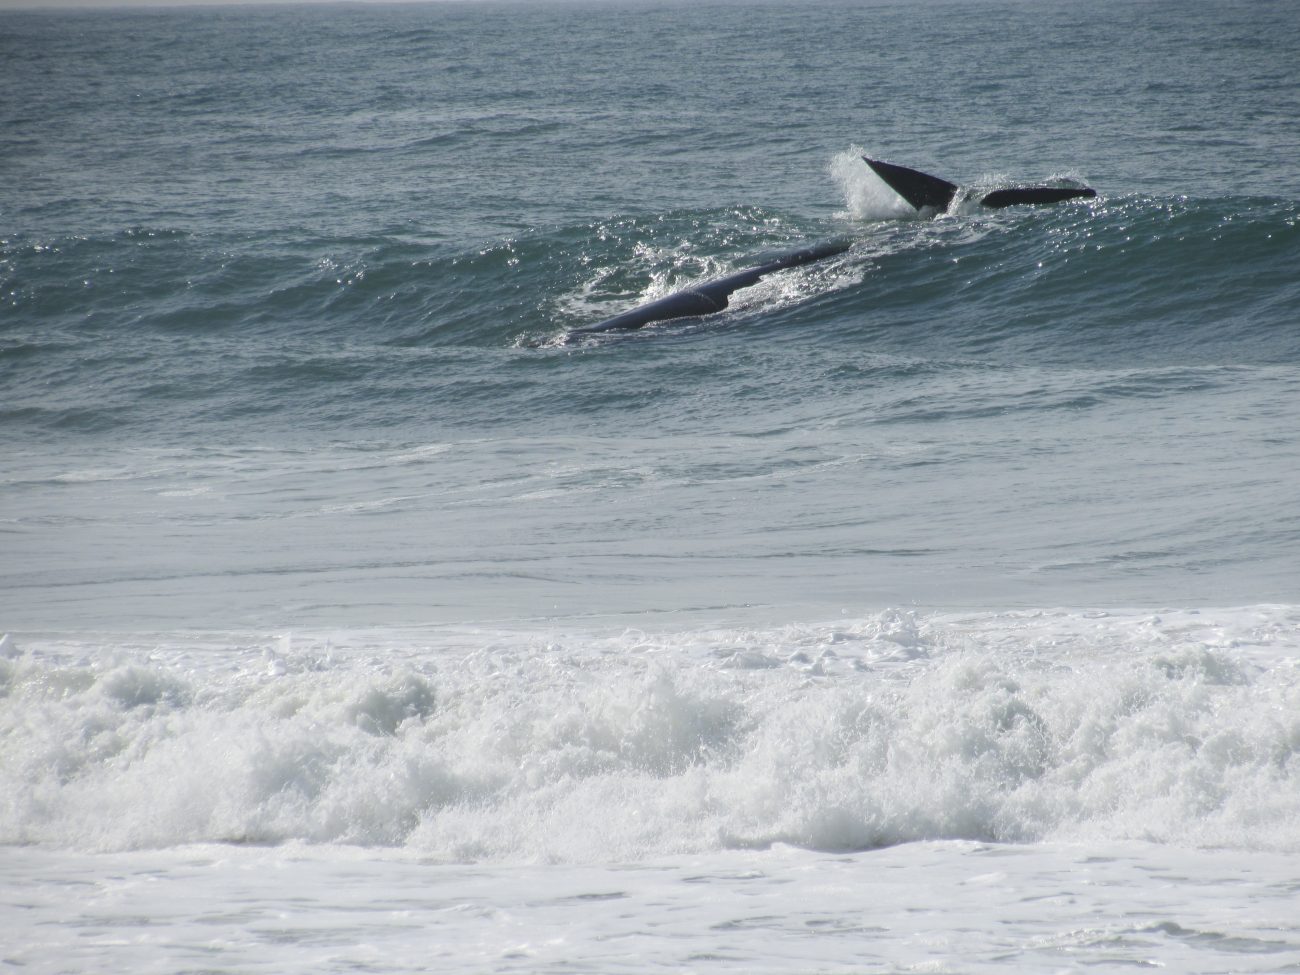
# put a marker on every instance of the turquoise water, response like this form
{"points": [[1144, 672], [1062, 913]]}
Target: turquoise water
{"points": [[283, 290]]}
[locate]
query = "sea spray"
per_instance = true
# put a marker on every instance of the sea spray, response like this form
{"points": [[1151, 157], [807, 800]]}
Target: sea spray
{"points": [[595, 748], [866, 195]]}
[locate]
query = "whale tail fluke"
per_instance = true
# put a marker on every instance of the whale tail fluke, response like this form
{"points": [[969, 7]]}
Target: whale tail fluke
{"points": [[923, 190], [1036, 194], [917, 188]]}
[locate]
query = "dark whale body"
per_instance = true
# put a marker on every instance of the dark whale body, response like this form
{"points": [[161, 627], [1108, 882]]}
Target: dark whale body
{"points": [[923, 190], [919, 189], [712, 296]]}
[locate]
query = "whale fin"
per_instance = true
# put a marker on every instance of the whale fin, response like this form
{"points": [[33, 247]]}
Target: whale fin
{"points": [[923, 190], [917, 188], [712, 296], [1036, 194]]}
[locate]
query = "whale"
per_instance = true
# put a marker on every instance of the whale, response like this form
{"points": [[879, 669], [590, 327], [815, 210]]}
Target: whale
{"points": [[711, 296], [921, 190]]}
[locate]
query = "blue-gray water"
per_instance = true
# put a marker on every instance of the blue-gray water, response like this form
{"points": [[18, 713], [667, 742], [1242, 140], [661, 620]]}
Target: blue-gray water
{"points": [[280, 288], [905, 616]]}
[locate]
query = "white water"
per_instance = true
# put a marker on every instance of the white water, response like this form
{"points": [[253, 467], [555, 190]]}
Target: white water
{"points": [[597, 747], [960, 793], [866, 195]]}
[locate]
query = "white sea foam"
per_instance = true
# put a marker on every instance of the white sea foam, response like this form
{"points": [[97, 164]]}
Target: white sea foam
{"points": [[866, 195], [579, 747], [730, 800]]}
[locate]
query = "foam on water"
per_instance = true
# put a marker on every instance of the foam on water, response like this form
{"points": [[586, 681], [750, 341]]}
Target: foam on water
{"points": [[866, 195], [1181, 729]]}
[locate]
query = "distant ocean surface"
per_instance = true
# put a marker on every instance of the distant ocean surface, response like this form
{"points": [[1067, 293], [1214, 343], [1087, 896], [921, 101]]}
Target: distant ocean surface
{"points": [[933, 608]]}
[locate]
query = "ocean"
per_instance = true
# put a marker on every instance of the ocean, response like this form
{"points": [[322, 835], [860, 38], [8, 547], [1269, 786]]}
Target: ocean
{"points": [[933, 608]]}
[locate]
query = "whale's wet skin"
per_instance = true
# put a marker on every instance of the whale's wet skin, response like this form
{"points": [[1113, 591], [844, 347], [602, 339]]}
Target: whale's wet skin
{"points": [[922, 598], [919, 190], [923, 191]]}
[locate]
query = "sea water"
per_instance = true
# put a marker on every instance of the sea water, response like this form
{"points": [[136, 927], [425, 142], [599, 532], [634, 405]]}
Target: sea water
{"points": [[933, 608]]}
